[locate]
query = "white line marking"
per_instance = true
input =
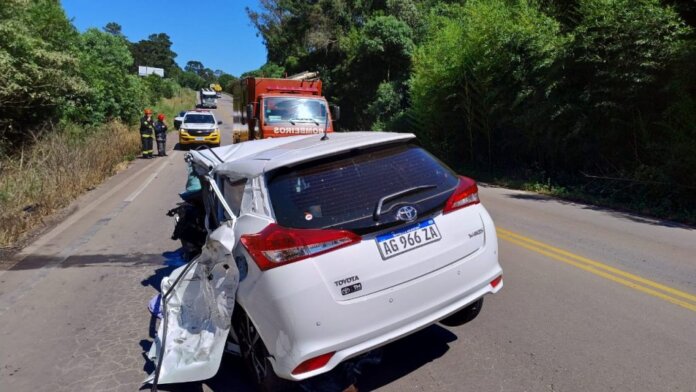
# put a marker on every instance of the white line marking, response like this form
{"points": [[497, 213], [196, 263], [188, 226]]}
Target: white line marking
{"points": [[147, 182], [43, 240], [7, 300]]}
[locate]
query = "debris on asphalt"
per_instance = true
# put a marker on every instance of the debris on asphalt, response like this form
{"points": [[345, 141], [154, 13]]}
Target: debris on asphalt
{"points": [[155, 306]]}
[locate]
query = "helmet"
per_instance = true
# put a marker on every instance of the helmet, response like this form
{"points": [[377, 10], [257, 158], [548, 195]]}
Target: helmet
{"points": [[148, 111], [160, 117]]}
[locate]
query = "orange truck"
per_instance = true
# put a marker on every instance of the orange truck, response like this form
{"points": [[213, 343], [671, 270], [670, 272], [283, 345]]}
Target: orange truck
{"points": [[286, 107]]}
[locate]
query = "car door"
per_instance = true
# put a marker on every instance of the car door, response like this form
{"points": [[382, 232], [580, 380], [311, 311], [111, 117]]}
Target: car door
{"points": [[199, 300]]}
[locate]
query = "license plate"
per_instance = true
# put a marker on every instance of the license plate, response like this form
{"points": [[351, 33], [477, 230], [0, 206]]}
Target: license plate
{"points": [[408, 238], [200, 138]]}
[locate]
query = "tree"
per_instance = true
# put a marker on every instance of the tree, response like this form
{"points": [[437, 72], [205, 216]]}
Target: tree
{"points": [[190, 80], [38, 67], [482, 73], [195, 67], [268, 70], [155, 52], [354, 45], [104, 64], [114, 28], [226, 81]]}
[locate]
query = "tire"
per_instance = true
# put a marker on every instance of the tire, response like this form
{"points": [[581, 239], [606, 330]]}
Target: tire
{"points": [[465, 315], [255, 355]]}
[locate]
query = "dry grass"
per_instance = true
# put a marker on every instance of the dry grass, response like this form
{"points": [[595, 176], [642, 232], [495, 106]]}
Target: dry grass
{"points": [[61, 166], [185, 100], [55, 171]]}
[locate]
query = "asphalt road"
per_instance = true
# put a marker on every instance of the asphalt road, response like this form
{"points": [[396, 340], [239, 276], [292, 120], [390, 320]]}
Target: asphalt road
{"points": [[594, 300]]}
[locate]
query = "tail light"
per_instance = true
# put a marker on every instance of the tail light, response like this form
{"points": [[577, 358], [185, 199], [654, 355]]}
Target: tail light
{"points": [[313, 363], [495, 282], [466, 194], [276, 245]]}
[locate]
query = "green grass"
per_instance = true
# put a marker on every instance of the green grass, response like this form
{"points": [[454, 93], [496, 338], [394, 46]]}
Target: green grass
{"points": [[185, 99]]}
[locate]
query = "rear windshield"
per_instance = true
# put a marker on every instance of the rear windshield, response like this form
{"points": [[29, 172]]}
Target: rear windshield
{"points": [[199, 119], [344, 192]]}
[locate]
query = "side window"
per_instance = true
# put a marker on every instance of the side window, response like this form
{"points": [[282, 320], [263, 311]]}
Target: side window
{"points": [[234, 193]]}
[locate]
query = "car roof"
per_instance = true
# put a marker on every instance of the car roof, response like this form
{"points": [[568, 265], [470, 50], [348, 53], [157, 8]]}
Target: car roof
{"points": [[253, 158]]}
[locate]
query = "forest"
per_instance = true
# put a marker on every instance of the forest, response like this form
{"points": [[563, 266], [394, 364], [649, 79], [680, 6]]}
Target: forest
{"points": [[592, 100]]}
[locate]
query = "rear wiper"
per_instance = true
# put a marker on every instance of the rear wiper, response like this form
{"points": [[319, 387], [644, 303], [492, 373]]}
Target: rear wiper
{"points": [[408, 191]]}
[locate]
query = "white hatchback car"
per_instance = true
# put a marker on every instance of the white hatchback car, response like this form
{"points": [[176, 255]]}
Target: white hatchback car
{"points": [[335, 247]]}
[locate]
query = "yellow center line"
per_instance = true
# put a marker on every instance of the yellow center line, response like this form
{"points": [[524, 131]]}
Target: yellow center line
{"points": [[595, 267]]}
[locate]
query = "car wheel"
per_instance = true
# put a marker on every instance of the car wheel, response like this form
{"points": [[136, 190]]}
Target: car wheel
{"points": [[255, 355], [465, 315]]}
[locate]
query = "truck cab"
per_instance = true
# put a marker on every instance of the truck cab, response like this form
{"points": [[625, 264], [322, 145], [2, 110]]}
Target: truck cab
{"points": [[208, 99], [286, 107]]}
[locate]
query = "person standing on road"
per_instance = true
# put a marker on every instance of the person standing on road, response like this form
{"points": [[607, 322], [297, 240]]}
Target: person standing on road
{"points": [[161, 136], [147, 128]]}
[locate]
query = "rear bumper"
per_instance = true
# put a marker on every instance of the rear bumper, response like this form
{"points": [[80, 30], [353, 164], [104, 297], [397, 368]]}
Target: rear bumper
{"points": [[185, 138], [298, 319]]}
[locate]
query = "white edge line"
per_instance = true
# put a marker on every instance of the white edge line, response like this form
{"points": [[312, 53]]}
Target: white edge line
{"points": [[147, 182]]}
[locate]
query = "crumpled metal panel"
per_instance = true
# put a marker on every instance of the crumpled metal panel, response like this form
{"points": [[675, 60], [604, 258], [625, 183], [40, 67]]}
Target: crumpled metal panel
{"points": [[199, 313]]}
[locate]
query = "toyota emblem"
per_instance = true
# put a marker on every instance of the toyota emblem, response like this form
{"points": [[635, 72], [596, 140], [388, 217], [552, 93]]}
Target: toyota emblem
{"points": [[406, 213]]}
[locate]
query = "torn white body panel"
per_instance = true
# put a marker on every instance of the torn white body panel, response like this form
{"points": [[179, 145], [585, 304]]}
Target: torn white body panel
{"points": [[199, 313]]}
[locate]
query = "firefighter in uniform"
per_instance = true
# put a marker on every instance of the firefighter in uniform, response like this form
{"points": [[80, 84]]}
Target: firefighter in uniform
{"points": [[147, 128], [161, 136]]}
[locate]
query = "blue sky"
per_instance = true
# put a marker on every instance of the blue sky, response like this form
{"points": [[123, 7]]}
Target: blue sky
{"points": [[216, 32]]}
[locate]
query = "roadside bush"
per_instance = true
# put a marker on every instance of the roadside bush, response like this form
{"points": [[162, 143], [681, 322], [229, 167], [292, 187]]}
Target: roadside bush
{"points": [[615, 84], [478, 79], [160, 87], [191, 80]]}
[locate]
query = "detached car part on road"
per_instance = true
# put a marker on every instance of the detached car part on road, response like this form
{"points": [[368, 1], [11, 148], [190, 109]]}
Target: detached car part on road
{"points": [[322, 250]]}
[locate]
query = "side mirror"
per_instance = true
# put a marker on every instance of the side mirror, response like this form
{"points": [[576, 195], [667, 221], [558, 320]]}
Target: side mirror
{"points": [[250, 111], [219, 122], [335, 112]]}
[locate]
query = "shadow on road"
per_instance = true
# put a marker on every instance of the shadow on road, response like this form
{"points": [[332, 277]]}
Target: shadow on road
{"points": [[611, 211], [84, 261], [167, 260], [407, 355], [398, 360]]}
